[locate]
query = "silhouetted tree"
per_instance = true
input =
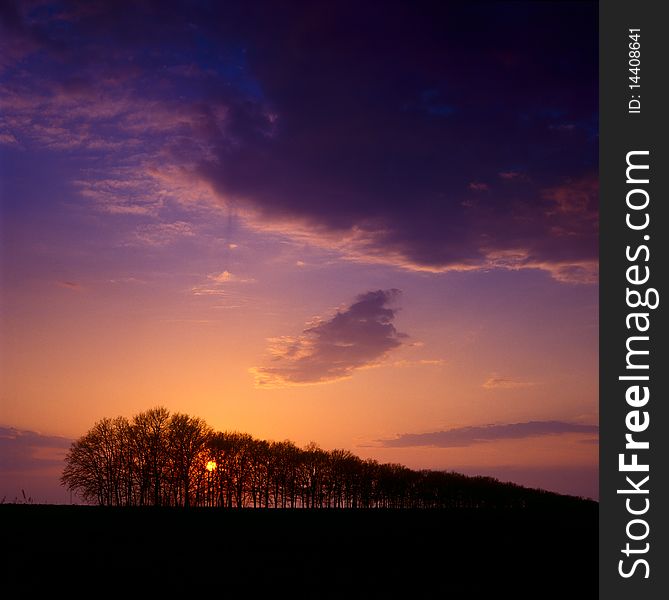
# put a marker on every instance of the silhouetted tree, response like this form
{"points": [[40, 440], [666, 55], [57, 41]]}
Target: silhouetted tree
{"points": [[187, 441], [97, 465], [151, 445], [158, 458]]}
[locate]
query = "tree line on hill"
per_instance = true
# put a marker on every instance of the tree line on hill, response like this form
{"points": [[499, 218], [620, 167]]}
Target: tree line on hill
{"points": [[162, 459]]}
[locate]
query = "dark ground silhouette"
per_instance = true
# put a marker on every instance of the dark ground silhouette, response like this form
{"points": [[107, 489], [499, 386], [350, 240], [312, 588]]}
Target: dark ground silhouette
{"points": [[459, 553]]}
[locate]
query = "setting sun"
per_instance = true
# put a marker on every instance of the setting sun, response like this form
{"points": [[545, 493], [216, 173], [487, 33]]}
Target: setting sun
{"points": [[211, 465]]}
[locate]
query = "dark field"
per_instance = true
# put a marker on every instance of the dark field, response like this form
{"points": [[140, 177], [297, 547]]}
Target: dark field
{"points": [[100, 552]]}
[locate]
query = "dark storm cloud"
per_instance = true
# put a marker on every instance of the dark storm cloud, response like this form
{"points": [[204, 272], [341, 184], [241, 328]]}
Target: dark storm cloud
{"points": [[359, 143], [363, 121], [467, 436], [358, 336]]}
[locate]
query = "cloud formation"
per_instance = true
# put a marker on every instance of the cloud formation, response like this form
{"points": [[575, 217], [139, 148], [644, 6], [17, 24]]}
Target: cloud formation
{"points": [[70, 285], [497, 382], [22, 450], [467, 436], [358, 336], [218, 284], [227, 277], [162, 234], [381, 137], [30, 466]]}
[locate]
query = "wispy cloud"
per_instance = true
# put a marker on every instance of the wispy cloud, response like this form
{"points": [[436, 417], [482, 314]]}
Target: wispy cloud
{"points": [[70, 285], [121, 191], [358, 336], [512, 175], [227, 277], [499, 382], [127, 280], [424, 362], [219, 284], [467, 436], [577, 272], [162, 234], [575, 197], [565, 271], [8, 139]]}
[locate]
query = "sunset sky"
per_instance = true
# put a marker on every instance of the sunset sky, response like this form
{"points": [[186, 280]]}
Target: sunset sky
{"points": [[368, 225]]}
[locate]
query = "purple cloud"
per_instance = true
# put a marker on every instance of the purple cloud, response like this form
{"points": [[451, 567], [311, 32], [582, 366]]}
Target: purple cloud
{"points": [[329, 349], [467, 436], [30, 466], [343, 120], [22, 450]]}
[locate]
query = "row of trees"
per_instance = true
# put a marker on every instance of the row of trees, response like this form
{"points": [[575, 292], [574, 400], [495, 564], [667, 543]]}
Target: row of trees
{"points": [[163, 459]]}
